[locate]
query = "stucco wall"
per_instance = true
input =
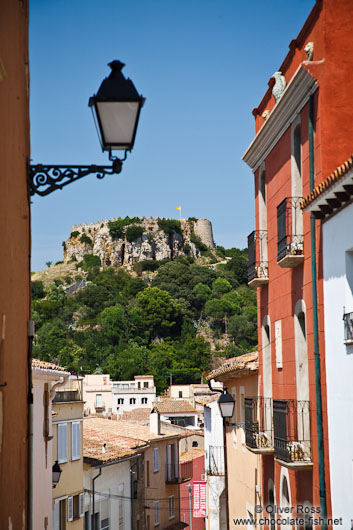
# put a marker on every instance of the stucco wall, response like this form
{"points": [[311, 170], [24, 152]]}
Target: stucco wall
{"points": [[338, 294]]}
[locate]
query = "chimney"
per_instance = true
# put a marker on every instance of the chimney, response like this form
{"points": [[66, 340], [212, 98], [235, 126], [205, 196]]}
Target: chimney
{"points": [[104, 448], [155, 424]]}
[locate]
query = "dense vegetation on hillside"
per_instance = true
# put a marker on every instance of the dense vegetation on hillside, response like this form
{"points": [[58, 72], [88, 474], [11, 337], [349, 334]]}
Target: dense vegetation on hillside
{"points": [[161, 324]]}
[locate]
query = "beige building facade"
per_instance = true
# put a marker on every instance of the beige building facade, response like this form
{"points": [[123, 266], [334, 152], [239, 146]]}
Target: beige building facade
{"points": [[68, 495], [240, 376]]}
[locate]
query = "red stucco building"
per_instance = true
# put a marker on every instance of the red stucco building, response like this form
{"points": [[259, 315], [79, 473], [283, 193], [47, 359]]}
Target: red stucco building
{"points": [[192, 464], [303, 132]]}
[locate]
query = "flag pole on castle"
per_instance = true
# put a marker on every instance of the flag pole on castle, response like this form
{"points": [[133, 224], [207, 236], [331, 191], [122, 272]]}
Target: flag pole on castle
{"points": [[178, 208]]}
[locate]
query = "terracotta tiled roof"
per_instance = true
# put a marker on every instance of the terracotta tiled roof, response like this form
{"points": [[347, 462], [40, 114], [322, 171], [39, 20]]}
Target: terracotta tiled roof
{"points": [[238, 365], [173, 405], [141, 415], [98, 432], [195, 452], [37, 363], [104, 427], [328, 182]]}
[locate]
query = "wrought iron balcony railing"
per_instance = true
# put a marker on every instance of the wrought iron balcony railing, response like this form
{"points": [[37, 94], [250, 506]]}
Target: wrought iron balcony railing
{"points": [[257, 258], [216, 460], [258, 424], [290, 240], [291, 423], [348, 327]]}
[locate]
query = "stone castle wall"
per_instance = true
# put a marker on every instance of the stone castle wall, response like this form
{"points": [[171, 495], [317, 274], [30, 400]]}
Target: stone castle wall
{"points": [[153, 244]]}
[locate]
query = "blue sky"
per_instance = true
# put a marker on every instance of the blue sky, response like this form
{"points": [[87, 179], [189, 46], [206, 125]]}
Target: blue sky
{"points": [[203, 65]]}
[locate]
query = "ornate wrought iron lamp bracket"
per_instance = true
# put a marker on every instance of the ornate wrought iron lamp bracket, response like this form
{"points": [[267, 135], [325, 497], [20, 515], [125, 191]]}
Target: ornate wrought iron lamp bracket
{"points": [[44, 179]]}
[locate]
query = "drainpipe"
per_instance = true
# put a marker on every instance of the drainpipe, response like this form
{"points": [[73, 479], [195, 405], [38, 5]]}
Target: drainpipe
{"points": [[93, 504], [320, 437]]}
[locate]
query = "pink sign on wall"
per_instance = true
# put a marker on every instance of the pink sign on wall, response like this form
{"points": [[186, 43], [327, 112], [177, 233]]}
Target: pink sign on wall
{"points": [[199, 490]]}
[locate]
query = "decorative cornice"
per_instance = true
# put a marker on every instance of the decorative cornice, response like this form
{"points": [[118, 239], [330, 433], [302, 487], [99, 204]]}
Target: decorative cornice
{"points": [[293, 99]]}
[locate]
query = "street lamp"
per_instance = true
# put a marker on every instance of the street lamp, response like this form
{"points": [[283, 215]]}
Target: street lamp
{"points": [[116, 109], [56, 472], [226, 404]]}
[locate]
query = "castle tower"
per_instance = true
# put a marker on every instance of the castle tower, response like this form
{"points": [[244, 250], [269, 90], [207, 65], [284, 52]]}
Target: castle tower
{"points": [[203, 229]]}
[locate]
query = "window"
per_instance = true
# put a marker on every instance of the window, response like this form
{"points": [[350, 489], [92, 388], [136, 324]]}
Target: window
{"points": [[146, 384], [169, 462], [155, 459], [120, 401], [147, 473], [59, 515], [156, 513], [144, 401], [105, 524], [148, 523], [180, 393], [171, 507], [99, 401], [70, 509], [78, 506], [195, 444], [132, 401], [121, 517], [62, 442], [75, 440]]}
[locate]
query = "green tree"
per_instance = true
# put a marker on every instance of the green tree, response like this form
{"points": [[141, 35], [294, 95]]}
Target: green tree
{"points": [[37, 290], [133, 232], [112, 320], [158, 313], [220, 286]]}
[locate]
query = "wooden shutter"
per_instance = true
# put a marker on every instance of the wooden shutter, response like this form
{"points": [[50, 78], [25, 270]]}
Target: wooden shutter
{"points": [[70, 509]]}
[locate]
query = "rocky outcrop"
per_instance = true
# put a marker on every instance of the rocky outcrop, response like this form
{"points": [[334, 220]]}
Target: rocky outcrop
{"points": [[154, 243]]}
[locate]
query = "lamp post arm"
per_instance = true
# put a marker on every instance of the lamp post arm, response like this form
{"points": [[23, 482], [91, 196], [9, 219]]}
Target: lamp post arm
{"points": [[220, 390], [44, 179]]}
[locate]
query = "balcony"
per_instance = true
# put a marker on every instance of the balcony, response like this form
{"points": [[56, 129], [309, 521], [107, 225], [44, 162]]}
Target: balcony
{"points": [[257, 258], [71, 391], [258, 425], [290, 240], [216, 460], [173, 474], [348, 328], [291, 422]]}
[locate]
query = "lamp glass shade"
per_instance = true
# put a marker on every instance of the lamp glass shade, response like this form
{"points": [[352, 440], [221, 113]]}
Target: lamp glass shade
{"points": [[117, 123], [116, 109], [226, 405], [56, 472]]}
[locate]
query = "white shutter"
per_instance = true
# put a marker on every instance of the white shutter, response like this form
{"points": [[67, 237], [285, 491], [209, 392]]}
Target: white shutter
{"points": [[75, 440], [176, 460], [156, 512], [62, 442], [56, 516], [155, 459], [169, 462], [70, 508], [81, 507]]}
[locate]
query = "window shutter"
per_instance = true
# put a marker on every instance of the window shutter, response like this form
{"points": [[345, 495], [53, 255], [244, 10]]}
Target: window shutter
{"points": [[81, 507], [70, 508], [156, 512], [155, 459], [169, 462], [75, 440], [62, 442], [176, 460]]}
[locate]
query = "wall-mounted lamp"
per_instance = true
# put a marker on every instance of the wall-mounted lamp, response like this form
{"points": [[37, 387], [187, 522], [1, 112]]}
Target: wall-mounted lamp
{"points": [[116, 109], [56, 472], [226, 404]]}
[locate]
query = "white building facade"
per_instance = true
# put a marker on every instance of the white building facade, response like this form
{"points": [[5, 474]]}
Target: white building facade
{"points": [[332, 205], [214, 467]]}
